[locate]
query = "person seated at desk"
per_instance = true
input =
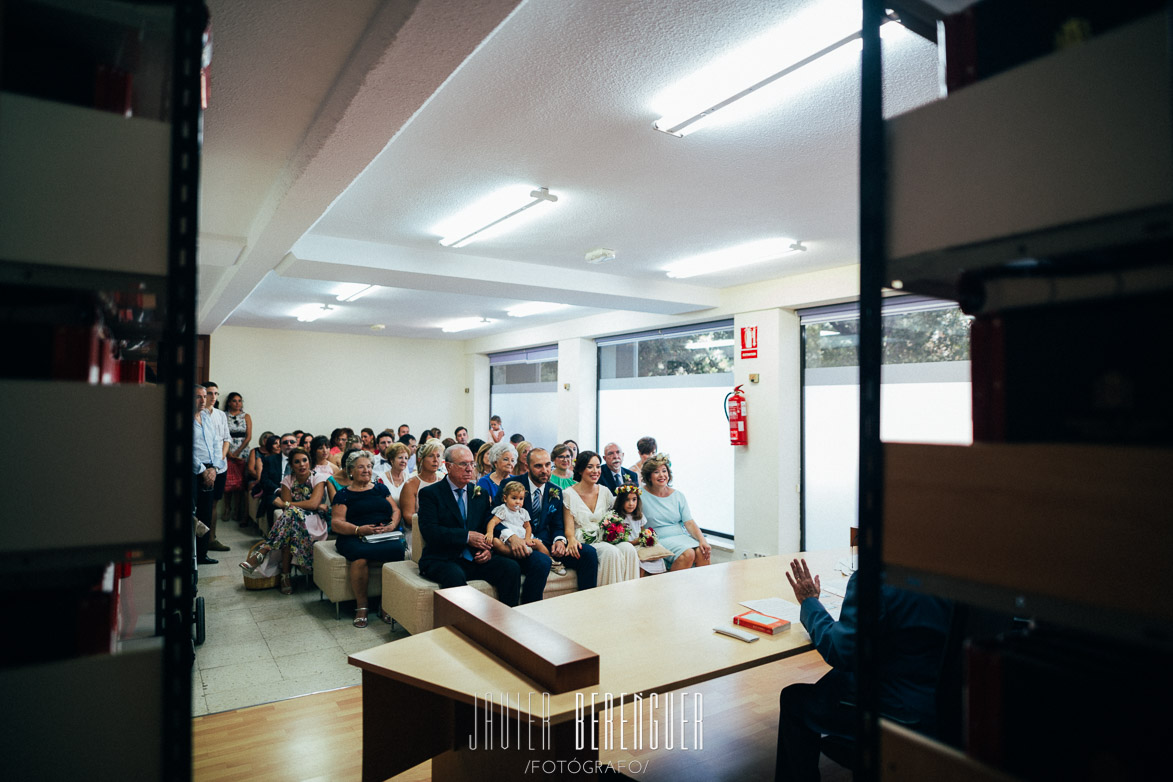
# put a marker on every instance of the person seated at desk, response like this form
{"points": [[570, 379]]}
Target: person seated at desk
{"points": [[913, 630], [364, 508], [453, 515]]}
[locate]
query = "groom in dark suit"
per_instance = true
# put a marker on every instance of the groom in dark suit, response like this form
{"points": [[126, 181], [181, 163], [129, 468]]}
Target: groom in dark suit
{"points": [[453, 516], [547, 523], [614, 474]]}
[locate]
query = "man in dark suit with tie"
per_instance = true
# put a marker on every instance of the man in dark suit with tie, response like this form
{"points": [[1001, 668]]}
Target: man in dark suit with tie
{"points": [[547, 522], [614, 474], [453, 515]]}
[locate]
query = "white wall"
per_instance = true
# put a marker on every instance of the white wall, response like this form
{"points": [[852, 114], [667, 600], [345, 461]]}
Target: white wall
{"points": [[316, 381]]}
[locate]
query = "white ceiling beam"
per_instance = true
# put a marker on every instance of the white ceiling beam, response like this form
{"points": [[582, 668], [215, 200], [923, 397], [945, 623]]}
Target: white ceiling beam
{"points": [[443, 271]]}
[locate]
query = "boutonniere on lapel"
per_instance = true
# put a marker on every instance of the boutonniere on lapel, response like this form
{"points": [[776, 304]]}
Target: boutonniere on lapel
{"points": [[553, 492], [478, 491]]}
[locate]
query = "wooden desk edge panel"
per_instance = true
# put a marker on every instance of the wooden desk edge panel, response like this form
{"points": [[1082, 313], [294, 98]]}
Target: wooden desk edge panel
{"points": [[536, 651], [907, 755]]}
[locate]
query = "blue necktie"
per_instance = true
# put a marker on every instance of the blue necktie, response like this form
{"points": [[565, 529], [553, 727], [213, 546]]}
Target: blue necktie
{"points": [[464, 515]]}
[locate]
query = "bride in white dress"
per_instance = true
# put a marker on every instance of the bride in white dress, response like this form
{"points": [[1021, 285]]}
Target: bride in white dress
{"points": [[584, 506]]}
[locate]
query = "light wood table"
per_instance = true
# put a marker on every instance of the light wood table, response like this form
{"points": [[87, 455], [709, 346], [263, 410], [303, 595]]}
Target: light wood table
{"points": [[425, 695]]}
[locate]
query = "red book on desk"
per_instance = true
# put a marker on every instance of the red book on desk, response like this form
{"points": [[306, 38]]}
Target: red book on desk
{"points": [[763, 623]]}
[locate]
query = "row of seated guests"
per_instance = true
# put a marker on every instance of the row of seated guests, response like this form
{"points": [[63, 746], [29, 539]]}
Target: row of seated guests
{"points": [[565, 532], [466, 536]]}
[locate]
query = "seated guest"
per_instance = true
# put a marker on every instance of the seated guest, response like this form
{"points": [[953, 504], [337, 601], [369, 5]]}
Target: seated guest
{"points": [[614, 473], [306, 442], [500, 457], [436, 432], [275, 467], [584, 506], [563, 474], [297, 525], [453, 515], [379, 462], [516, 438], [338, 441], [319, 452], [431, 457], [474, 444], [364, 508], [668, 514], [645, 447], [512, 517], [543, 503], [412, 446], [341, 479], [483, 467], [523, 449], [266, 444], [397, 473], [367, 438], [629, 505], [461, 436], [573, 446], [913, 628], [447, 442]]}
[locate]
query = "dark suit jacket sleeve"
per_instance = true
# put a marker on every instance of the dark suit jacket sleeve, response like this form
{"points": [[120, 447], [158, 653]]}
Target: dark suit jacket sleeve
{"points": [[834, 640], [552, 518], [441, 530]]}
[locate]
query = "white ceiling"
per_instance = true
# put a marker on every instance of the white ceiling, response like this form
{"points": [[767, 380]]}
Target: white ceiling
{"points": [[340, 133]]}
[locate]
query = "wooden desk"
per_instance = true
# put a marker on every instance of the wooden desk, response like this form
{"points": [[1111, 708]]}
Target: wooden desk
{"points": [[653, 635]]}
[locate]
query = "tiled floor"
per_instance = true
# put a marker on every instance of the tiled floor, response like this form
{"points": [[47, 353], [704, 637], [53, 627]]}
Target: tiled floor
{"points": [[262, 646]]}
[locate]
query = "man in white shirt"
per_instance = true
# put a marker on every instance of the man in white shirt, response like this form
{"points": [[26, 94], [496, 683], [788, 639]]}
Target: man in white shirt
{"points": [[219, 423], [379, 463], [206, 458]]}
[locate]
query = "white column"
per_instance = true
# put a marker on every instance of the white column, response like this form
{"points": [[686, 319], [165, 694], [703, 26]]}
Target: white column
{"points": [[578, 373], [767, 470], [476, 412]]}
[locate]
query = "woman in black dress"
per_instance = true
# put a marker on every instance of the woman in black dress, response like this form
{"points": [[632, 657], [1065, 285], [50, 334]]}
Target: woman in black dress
{"points": [[364, 508]]}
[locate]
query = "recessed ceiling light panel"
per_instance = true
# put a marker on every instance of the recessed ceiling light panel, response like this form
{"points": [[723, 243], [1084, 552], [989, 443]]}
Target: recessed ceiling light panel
{"points": [[308, 313], [733, 257], [464, 324], [501, 211], [792, 57]]}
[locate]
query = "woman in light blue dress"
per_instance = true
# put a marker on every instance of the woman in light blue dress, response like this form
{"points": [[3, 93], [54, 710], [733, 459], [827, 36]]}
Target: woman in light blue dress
{"points": [[666, 511]]}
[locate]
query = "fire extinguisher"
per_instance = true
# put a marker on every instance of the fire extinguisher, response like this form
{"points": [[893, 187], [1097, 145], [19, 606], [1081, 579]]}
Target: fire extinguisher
{"points": [[738, 415]]}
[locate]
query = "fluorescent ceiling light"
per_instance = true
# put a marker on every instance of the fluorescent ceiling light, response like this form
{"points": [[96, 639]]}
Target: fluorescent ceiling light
{"points": [[827, 27], [308, 313], [464, 324], [533, 308], [489, 216], [733, 257], [714, 343], [349, 291]]}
